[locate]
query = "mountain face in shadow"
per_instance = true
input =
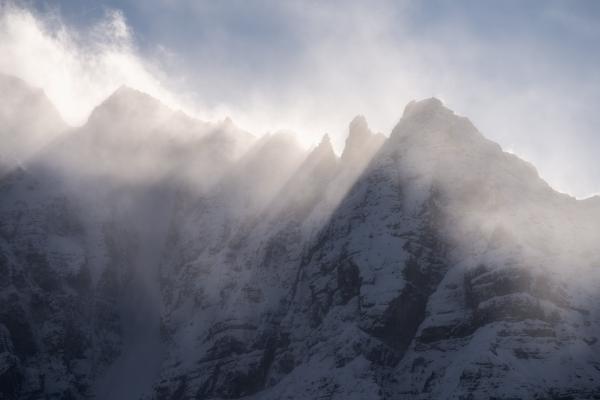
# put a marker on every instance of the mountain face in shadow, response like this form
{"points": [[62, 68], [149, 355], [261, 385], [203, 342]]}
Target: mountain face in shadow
{"points": [[149, 255]]}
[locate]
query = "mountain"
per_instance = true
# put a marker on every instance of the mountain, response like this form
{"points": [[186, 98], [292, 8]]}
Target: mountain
{"points": [[149, 255], [28, 122], [81, 277]]}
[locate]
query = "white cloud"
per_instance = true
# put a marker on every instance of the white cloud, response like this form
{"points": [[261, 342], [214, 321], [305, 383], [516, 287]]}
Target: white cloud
{"points": [[319, 65], [76, 69]]}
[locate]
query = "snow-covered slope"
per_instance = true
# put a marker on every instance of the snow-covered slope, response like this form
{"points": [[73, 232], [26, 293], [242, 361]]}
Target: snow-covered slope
{"points": [[80, 294], [149, 255]]}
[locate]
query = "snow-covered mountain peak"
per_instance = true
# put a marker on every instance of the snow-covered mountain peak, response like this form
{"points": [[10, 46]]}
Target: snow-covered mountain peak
{"points": [[127, 92], [126, 95], [28, 121], [361, 141], [150, 267], [324, 145], [19, 97], [429, 124], [321, 157], [127, 106], [426, 106], [429, 116], [359, 126]]}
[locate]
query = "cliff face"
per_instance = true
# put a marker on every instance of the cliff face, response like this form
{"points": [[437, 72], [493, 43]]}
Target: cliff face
{"points": [[180, 259]]}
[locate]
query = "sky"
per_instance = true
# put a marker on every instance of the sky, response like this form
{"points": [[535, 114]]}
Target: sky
{"points": [[527, 73]]}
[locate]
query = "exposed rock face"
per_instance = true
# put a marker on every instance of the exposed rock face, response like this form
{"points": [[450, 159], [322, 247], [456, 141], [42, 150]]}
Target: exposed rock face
{"points": [[427, 265]]}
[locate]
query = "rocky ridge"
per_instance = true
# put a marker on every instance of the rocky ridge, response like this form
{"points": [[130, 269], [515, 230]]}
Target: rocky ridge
{"points": [[174, 259]]}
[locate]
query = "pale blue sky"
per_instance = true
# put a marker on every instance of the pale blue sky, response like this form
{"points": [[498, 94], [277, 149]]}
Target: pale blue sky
{"points": [[526, 72]]}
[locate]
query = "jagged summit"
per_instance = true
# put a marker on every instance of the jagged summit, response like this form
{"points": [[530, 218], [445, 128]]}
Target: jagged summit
{"points": [[325, 145], [430, 123], [435, 267], [28, 121], [124, 91], [323, 154], [312, 175], [359, 126], [20, 97], [125, 95], [425, 108], [361, 141], [127, 104]]}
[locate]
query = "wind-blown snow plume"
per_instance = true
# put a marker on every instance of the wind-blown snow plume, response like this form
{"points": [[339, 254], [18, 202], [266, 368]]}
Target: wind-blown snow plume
{"points": [[147, 254], [320, 67], [77, 69]]}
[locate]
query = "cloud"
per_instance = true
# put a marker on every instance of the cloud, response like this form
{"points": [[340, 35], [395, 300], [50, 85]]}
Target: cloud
{"points": [[76, 69], [349, 58], [310, 67]]}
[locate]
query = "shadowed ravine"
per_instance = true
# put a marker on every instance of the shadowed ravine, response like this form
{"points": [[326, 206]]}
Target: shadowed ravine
{"points": [[132, 374]]}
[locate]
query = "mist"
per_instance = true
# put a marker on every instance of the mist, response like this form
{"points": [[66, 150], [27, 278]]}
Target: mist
{"points": [[303, 203], [327, 66], [77, 69]]}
